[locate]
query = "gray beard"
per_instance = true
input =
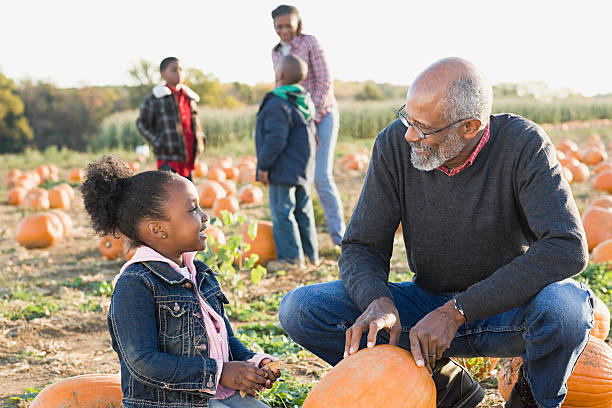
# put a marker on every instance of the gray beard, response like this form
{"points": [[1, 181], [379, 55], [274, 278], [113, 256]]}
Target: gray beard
{"points": [[447, 150]]}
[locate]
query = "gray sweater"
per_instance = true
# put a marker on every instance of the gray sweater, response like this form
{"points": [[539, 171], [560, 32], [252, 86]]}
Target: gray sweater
{"points": [[496, 233]]}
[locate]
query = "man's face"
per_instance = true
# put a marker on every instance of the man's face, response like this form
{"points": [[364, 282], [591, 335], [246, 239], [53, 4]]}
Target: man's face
{"points": [[173, 74], [424, 110]]}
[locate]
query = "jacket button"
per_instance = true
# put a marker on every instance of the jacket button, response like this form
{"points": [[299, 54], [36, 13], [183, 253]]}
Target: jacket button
{"points": [[176, 307], [188, 285], [202, 347], [197, 315], [210, 384]]}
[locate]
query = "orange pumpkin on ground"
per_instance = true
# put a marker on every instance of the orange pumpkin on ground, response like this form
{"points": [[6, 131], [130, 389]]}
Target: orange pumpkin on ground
{"points": [[590, 385], [229, 186], [68, 189], [567, 145], [65, 220], [576, 154], [560, 155], [35, 177], [216, 174], [604, 201], [567, 174], [263, 244], [36, 200], [603, 181], [246, 165], [601, 314], [200, 170], [580, 171], [59, 198], [602, 167], [224, 162], [248, 158], [75, 175], [210, 192], [16, 195], [89, 390], [43, 172], [110, 247], [229, 203], [251, 195], [247, 175], [381, 376], [214, 237], [231, 172], [597, 223], [39, 231], [12, 177], [593, 156]]}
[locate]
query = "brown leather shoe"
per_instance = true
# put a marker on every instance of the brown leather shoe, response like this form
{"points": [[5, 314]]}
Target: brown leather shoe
{"points": [[521, 396], [455, 386]]}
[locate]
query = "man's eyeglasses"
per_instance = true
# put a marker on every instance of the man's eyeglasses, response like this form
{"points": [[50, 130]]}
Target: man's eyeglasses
{"points": [[422, 135]]}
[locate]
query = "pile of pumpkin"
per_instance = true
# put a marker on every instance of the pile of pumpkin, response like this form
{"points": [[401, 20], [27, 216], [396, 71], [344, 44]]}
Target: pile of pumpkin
{"points": [[575, 162], [355, 161], [40, 229]]}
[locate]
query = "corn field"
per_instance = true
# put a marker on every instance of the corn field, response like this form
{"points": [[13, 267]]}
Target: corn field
{"points": [[358, 120]]}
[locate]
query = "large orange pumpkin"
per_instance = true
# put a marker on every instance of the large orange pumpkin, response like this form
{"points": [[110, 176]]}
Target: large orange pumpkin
{"points": [[382, 376], [231, 172], [590, 385], [603, 181], [229, 203], [602, 167], [224, 162], [567, 145], [214, 237], [110, 247], [597, 223], [247, 175], [59, 198], [210, 192], [39, 230], [43, 172], [75, 175], [216, 173], [16, 195], [68, 189], [89, 390], [37, 199], [601, 315], [593, 155], [263, 244], [251, 195], [580, 171], [229, 186], [603, 252], [604, 201], [65, 220]]}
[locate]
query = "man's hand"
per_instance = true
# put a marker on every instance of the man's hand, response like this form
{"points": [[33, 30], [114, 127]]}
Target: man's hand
{"points": [[271, 374], [243, 376], [380, 314], [433, 334], [263, 177]]}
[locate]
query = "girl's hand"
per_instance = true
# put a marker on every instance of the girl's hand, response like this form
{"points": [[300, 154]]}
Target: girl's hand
{"points": [[272, 372], [243, 376]]}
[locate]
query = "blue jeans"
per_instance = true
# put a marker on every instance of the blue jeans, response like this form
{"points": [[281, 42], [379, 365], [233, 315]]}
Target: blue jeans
{"points": [[293, 225], [236, 401], [549, 333], [327, 130]]}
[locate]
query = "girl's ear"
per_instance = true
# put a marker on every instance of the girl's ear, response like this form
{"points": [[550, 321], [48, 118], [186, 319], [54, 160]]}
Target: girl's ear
{"points": [[154, 229]]}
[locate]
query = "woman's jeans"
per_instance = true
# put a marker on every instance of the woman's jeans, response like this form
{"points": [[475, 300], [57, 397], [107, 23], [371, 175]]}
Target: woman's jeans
{"points": [[236, 401], [549, 333], [293, 224], [327, 130]]}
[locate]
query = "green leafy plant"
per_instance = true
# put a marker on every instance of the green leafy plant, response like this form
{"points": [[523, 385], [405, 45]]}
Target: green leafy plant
{"points": [[287, 392], [267, 338]]}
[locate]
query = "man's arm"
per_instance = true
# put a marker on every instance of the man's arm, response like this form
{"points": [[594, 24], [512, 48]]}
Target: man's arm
{"points": [[368, 241], [275, 131], [559, 247]]}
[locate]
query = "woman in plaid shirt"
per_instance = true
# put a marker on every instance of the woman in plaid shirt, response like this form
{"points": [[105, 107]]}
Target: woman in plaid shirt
{"points": [[320, 85]]}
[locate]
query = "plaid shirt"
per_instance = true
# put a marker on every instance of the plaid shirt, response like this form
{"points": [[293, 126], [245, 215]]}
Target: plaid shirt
{"points": [[483, 141], [159, 123], [318, 82]]}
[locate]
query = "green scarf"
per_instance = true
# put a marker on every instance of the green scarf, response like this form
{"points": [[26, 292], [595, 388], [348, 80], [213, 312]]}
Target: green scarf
{"points": [[297, 95]]}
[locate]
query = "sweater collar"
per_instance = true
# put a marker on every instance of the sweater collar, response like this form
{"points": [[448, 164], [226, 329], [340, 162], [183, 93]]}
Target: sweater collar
{"points": [[160, 90]]}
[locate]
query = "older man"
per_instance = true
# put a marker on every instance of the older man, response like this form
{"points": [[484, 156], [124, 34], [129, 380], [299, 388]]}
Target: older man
{"points": [[492, 235]]}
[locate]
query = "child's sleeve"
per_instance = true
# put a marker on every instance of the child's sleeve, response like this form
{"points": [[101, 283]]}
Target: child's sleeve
{"points": [[146, 122], [133, 324], [275, 131]]}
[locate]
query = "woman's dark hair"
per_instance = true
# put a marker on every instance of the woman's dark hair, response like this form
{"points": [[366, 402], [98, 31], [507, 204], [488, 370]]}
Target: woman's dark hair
{"points": [[117, 200], [284, 10], [165, 62]]}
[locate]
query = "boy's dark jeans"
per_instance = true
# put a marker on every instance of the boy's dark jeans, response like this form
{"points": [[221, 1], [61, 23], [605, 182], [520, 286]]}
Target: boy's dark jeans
{"points": [[295, 233]]}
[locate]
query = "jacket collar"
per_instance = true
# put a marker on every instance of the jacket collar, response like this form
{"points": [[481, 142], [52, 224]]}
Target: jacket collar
{"points": [[160, 90]]}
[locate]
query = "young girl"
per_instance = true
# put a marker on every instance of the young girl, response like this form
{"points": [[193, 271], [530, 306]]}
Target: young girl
{"points": [[166, 319]]}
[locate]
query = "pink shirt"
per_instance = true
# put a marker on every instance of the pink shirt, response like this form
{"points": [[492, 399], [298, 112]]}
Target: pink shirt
{"points": [[216, 331]]}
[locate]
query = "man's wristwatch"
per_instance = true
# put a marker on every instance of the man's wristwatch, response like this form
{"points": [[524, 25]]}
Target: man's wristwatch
{"points": [[458, 308]]}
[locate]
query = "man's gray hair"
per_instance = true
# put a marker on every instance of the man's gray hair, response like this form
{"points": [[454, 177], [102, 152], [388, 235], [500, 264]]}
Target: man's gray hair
{"points": [[468, 97]]}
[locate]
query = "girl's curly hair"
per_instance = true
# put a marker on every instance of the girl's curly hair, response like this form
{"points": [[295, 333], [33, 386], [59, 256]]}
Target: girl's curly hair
{"points": [[117, 200]]}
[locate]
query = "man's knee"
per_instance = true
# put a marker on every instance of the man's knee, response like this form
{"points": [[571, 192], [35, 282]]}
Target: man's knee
{"points": [[567, 305], [291, 310]]}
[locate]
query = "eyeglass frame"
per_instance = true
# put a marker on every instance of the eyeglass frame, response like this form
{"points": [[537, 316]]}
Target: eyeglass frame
{"points": [[422, 135]]}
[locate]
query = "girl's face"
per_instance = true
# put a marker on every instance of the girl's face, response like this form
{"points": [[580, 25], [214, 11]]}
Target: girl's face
{"points": [[286, 27], [185, 222]]}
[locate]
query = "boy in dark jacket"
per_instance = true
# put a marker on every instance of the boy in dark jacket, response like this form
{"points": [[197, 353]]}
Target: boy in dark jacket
{"points": [[285, 144], [169, 121]]}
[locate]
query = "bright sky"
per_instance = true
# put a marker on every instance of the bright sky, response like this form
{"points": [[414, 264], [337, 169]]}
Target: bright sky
{"points": [[563, 43]]}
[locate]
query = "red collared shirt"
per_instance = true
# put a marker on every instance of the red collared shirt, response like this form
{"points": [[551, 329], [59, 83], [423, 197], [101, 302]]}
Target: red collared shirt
{"points": [[470, 160], [183, 168], [318, 81]]}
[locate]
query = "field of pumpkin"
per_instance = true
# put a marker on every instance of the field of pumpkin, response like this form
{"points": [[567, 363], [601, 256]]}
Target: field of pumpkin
{"points": [[56, 276]]}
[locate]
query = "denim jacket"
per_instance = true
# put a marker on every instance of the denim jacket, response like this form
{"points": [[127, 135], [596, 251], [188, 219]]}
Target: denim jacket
{"points": [[156, 327]]}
